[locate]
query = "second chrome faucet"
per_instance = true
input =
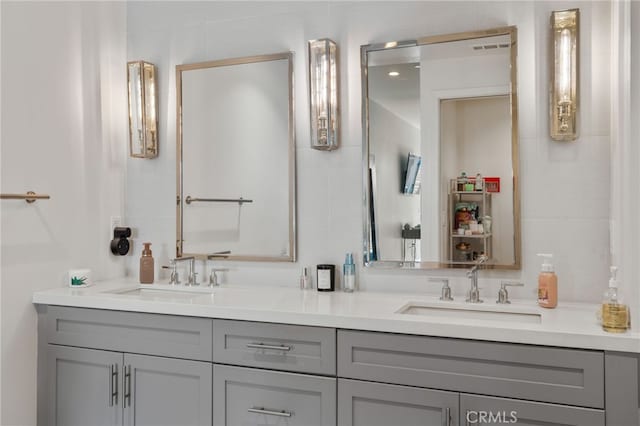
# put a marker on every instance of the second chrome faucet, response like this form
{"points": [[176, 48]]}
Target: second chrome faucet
{"points": [[474, 292]]}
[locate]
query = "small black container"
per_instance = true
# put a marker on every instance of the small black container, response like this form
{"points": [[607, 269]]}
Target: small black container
{"points": [[326, 277]]}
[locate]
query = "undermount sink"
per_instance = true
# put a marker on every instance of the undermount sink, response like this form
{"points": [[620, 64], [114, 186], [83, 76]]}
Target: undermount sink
{"points": [[482, 312], [164, 292]]}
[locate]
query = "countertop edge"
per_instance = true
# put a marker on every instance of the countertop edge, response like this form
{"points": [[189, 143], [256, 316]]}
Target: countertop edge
{"points": [[628, 342]]}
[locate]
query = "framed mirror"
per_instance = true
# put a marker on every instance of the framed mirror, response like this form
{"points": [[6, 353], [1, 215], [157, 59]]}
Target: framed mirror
{"points": [[440, 151], [236, 158]]}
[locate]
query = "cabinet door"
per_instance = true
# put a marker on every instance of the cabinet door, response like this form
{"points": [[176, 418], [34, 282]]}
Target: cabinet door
{"points": [[376, 404], [166, 392], [252, 397], [484, 410], [83, 387]]}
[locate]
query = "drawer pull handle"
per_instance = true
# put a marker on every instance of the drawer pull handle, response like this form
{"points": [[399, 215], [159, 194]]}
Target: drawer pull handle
{"points": [[126, 399], [114, 385], [263, 346], [446, 416], [262, 410]]}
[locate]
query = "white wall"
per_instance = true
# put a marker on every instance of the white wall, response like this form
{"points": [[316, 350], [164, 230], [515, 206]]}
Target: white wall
{"points": [[632, 283], [64, 134], [625, 151], [565, 186]]}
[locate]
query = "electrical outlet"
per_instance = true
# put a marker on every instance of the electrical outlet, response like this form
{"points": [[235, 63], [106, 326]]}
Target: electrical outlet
{"points": [[115, 222]]}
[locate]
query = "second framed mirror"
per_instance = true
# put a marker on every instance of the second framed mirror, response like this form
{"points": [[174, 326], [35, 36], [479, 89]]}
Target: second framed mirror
{"points": [[440, 157]]}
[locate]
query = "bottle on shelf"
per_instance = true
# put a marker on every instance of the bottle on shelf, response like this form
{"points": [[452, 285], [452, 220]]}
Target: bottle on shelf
{"points": [[479, 186]]}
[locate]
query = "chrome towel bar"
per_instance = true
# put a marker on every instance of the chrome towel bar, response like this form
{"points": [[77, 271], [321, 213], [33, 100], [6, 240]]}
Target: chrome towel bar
{"points": [[29, 197], [240, 200]]}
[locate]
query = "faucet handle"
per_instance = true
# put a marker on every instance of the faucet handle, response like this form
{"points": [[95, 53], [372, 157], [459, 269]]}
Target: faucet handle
{"points": [[213, 277], [193, 279], [446, 290], [174, 278], [503, 294]]}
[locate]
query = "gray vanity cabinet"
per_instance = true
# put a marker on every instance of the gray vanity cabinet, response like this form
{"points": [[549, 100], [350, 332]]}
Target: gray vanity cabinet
{"points": [[252, 397], [377, 404], [124, 369], [165, 391], [82, 387], [484, 410], [97, 387]]}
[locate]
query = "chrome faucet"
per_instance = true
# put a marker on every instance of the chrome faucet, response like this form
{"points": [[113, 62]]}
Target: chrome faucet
{"points": [[472, 274], [213, 277], [191, 278]]}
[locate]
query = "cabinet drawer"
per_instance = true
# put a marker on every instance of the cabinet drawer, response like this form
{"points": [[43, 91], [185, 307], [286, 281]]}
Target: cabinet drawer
{"points": [[535, 373], [377, 404], [150, 334], [275, 346], [245, 396], [485, 410]]}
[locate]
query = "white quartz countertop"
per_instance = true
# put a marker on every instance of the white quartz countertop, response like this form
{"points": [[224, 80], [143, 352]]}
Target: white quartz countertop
{"points": [[572, 325]]}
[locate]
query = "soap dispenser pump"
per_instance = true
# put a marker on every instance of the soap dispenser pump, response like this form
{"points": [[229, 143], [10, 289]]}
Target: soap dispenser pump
{"points": [[615, 314], [146, 265], [547, 283]]}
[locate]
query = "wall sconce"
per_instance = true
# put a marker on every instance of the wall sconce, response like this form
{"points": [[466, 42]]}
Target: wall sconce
{"points": [[143, 107], [564, 77], [323, 92]]}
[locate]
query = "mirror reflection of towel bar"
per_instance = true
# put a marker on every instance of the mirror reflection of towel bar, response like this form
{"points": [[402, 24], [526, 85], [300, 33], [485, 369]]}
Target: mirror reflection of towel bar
{"points": [[240, 200], [29, 197]]}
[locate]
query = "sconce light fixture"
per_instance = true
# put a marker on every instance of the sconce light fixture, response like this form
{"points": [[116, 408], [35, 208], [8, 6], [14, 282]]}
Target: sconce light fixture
{"points": [[323, 92], [143, 109], [563, 108]]}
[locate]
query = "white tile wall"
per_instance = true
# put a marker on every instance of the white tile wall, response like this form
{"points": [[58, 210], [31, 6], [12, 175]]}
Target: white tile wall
{"points": [[63, 132], [565, 186], [632, 285]]}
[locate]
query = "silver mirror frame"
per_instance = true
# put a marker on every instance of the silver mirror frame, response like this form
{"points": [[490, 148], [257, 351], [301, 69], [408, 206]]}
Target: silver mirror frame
{"points": [[289, 56], [368, 227]]}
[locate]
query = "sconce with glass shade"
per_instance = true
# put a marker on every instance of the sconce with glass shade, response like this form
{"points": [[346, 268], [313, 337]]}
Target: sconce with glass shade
{"points": [[323, 93], [563, 108], [143, 109]]}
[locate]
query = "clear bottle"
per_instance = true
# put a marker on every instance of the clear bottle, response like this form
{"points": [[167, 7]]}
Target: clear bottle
{"points": [[348, 274], [614, 313], [479, 184], [146, 265], [305, 279], [461, 181], [547, 283]]}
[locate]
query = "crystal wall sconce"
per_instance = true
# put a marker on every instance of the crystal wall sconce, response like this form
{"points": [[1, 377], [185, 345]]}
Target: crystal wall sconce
{"points": [[323, 92], [563, 108], [143, 109]]}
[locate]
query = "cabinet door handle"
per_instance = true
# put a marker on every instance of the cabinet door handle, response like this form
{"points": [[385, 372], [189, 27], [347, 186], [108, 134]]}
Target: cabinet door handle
{"points": [[446, 416], [262, 410], [126, 400], [113, 386], [273, 347]]}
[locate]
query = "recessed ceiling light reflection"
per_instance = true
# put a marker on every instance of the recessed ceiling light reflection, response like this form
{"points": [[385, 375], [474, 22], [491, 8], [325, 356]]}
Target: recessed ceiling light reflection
{"points": [[394, 73]]}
